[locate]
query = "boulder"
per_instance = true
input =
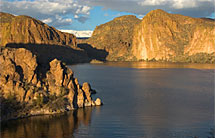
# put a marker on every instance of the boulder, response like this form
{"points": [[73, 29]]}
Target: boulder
{"points": [[86, 88], [98, 102]]}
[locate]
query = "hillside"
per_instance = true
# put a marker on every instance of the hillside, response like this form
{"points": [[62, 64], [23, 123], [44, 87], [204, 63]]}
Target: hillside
{"points": [[25, 29], [115, 37]]}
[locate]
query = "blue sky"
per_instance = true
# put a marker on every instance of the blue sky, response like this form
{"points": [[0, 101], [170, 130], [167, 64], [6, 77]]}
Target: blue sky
{"points": [[98, 15], [87, 14]]}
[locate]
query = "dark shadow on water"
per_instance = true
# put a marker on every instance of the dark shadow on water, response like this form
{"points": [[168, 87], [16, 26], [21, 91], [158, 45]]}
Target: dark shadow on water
{"points": [[47, 126]]}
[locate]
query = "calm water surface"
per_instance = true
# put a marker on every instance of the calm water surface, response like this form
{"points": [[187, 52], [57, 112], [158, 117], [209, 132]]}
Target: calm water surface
{"points": [[149, 100]]}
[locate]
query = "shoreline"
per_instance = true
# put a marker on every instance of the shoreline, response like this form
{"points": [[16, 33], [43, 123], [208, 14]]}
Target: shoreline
{"points": [[44, 114]]}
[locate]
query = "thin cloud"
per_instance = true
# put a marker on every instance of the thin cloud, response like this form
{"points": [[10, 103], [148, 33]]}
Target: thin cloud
{"points": [[54, 12], [194, 8]]}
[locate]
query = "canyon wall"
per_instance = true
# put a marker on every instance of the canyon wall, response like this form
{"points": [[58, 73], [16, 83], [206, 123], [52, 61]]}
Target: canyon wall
{"points": [[163, 36]]}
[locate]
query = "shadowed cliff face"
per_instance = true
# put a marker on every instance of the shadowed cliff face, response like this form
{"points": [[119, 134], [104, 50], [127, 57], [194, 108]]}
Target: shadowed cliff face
{"points": [[161, 35], [115, 37], [25, 29]]}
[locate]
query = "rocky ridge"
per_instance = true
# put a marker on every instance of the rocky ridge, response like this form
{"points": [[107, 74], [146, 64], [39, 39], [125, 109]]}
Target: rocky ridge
{"points": [[29, 88], [27, 30]]}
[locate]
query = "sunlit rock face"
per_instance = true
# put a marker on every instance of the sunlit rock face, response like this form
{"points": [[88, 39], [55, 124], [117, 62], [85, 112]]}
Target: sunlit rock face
{"points": [[25, 29], [161, 35], [202, 41], [29, 88], [115, 37]]}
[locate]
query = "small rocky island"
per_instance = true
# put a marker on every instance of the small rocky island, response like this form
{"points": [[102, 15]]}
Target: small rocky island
{"points": [[29, 88]]}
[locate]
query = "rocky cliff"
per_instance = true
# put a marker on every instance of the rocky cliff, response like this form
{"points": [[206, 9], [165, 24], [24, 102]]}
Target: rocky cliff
{"points": [[115, 37], [159, 36], [25, 29], [29, 88], [165, 36]]}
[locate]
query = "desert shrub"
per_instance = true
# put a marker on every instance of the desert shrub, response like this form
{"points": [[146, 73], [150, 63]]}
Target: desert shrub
{"points": [[39, 101], [63, 91], [197, 58], [52, 97]]}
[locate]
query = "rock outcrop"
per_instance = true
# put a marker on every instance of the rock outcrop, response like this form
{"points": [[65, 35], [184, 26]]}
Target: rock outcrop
{"points": [[28, 88], [27, 30], [165, 36], [115, 37]]}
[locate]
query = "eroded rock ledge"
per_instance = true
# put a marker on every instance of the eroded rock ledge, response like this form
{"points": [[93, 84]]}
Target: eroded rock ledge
{"points": [[28, 88]]}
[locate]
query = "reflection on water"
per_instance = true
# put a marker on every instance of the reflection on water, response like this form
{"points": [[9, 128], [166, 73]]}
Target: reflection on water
{"points": [[159, 65], [168, 101], [47, 126]]}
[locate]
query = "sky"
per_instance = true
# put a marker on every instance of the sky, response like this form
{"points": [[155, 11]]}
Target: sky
{"points": [[87, 14]]}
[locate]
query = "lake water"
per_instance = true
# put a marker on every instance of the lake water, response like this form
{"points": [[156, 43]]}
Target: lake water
{"points": [[141, 100]]}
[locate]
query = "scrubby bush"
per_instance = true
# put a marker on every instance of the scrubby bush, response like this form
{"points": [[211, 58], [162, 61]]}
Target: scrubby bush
{"points": [[39, 101], [197, 58]]}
